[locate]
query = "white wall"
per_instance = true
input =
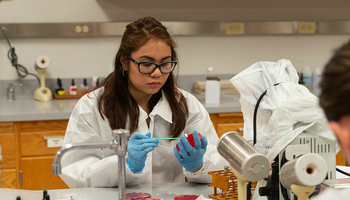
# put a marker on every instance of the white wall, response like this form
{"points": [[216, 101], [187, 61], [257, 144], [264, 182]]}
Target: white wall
{"points": [[86, 57]]}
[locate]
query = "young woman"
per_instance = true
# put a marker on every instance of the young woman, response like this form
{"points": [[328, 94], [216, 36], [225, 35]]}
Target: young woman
{"points": [[141, 95]]}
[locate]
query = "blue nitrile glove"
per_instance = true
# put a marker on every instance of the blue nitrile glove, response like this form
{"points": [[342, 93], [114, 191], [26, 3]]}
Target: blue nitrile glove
{"points": [[191, 158], [138, 147]]}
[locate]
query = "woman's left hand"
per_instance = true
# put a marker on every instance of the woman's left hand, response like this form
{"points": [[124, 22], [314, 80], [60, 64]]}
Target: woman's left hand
{"points": [[191, 158]]}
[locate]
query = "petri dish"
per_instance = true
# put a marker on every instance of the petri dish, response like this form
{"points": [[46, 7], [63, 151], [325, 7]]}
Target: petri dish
{"points": [[166, 195], [137, 195]]}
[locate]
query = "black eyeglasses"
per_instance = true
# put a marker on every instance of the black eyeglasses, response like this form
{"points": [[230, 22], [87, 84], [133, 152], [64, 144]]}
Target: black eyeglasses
{"points": [[150, 67]]}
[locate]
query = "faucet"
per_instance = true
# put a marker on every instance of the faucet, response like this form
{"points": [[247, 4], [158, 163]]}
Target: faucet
{"points": [[119, 144], [11, 90]]}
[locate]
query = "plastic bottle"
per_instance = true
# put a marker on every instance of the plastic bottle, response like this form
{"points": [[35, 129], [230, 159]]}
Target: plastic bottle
{"points": [[317, 75], [93, 82], [73, 88], [84, 88], [307, 76], [301, 79]]}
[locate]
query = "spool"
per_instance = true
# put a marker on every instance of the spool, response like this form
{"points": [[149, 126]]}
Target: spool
{"points": [[243, 157], [307, 170]]}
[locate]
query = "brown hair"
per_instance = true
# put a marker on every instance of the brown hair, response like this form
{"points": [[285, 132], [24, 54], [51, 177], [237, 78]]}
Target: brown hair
{"points": [[116, 103], [335, 85]]}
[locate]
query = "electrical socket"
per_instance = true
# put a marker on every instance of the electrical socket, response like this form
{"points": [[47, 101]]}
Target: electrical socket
{"points": [[233, 28], [307, 27], [78, 29]]}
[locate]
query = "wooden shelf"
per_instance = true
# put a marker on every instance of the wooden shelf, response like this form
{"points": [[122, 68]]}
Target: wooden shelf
{"points": [[68, 96]]}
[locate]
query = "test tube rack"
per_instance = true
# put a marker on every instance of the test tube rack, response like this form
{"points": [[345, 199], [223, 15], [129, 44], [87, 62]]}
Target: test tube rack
{"points": [[227, 182]]}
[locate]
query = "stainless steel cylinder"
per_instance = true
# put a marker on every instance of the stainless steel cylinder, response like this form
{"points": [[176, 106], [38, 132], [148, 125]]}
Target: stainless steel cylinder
{"points": [[243, 157], [307, 170]]}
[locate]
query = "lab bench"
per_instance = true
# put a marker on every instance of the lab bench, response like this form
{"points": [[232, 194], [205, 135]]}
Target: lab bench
{"points": [[165, 190], [26, 125]]}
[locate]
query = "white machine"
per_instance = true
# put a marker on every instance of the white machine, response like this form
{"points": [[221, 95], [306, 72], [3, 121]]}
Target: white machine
{"points": [[42, 93], [312, 170]]}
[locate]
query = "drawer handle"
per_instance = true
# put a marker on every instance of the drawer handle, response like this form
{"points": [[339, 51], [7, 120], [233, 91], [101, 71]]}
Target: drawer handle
{"points": [[54, 141], [240, 129]]}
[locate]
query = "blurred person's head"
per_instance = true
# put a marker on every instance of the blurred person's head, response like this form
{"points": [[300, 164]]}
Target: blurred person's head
{"points": [[335, 96]]}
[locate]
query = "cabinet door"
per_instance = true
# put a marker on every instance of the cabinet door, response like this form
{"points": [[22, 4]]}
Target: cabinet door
{"points": [[340, 159], [37, 174], [8, 178], [8, 146], [223, 128]]}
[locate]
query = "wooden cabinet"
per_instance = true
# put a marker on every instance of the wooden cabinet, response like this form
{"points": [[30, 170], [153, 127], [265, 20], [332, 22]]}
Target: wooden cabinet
{"points": [[37, 174], [9, 152], [27, 161], [36, 158], [224, 122]]}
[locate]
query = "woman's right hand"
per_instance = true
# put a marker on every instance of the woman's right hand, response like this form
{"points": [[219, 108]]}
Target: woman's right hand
{"points": [[138, 147]]}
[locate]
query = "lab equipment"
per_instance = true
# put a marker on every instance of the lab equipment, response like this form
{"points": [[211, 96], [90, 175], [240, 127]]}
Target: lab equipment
{"points": [[305, 144], [186, 197], [226, 182], [84, 88], [119, 144], [138, 147], [73, 88], [59, 90], [167, 138], [307, 73], [286, 110], [245, 161], [42, 93], [212, 91], [137, 195], [190, 139], [307, 170], [191, 158], [316, 79], [11, 90]]}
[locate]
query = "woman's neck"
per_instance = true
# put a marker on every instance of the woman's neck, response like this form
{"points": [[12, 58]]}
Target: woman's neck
{"points": [[143, 101]]}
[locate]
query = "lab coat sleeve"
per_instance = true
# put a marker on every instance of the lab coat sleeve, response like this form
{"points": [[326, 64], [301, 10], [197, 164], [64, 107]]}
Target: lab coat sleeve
{"points": [[199, 120], [92, 167]]}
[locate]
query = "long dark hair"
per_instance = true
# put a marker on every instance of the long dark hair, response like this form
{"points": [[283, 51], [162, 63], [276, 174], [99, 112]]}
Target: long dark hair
{"points": [[335, 85], [116, 103]]}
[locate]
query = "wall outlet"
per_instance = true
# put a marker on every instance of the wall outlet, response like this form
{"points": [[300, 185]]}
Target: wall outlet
{"points": [[78, 29], [85, 29], [307, 27], [233, 28]]}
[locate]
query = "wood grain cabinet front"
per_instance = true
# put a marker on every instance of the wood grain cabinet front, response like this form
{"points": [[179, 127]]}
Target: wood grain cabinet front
{"points": [[37, 157], [8, 152], [225, 122]]}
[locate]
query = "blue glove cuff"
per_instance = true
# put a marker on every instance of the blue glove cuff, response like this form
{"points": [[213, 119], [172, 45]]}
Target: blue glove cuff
{"points": [[133, 169], [194, 167]]}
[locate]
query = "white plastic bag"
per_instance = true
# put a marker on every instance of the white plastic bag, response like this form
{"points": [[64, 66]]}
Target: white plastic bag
{"points": [[284, 112]]}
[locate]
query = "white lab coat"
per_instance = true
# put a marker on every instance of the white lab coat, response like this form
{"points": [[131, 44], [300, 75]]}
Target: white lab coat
{"points": [[99, 167], [330, 193]]}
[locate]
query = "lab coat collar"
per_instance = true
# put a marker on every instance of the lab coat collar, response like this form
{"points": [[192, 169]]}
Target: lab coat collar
{"points": [[162, 109]]}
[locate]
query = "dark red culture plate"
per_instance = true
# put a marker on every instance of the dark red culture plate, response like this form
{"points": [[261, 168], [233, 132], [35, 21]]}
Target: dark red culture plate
{"points": [[137, 195], [186, 197]]}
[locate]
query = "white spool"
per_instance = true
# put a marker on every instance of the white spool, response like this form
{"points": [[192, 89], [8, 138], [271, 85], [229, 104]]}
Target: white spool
{"points": [[308, 170]]}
